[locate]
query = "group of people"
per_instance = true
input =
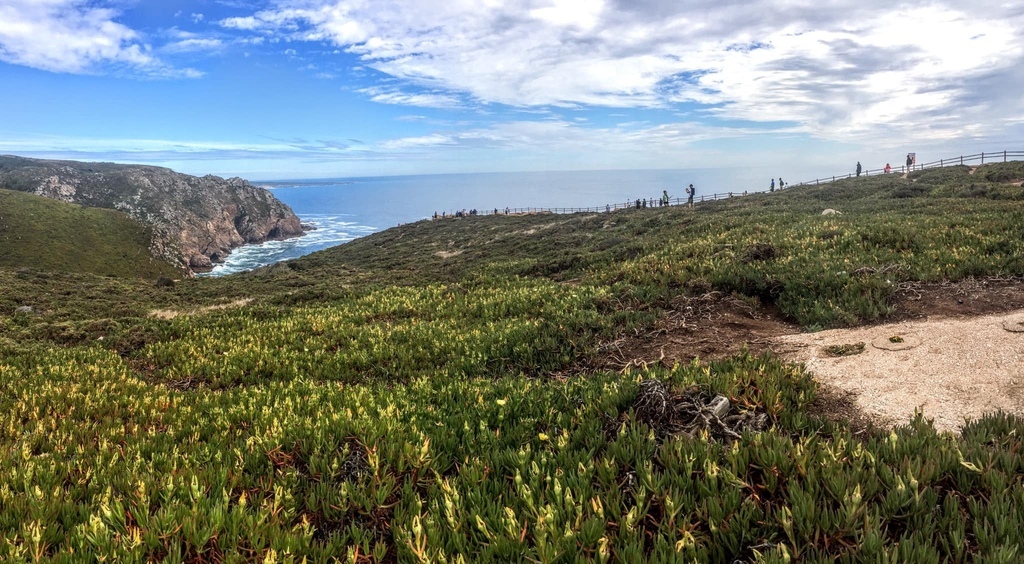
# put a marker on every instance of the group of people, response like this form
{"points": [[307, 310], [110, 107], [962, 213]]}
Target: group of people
{"points": [[911, 161], [771, 188], [463, 213], [665, 200], [639, 203]]}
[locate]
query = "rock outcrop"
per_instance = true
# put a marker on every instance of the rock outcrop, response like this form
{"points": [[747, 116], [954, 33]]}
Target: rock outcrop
{"points": [[196, 221]]}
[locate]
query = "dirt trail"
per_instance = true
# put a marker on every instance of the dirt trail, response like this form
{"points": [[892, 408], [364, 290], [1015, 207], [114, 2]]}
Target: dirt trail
{"points": [[949, 368], [172, 313], [956, 359]]}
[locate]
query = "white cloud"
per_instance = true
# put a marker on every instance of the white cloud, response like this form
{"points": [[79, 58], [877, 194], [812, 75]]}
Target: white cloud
{"points": [[191, 45], [889, 68], [551, 137], [406, 143], [581, 14], [74, 36], [422, 99], [248, 23], [197, 18]]}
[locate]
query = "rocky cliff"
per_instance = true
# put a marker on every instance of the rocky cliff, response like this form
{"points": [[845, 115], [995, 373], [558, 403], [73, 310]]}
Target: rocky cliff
{"points": [[196, 220]]}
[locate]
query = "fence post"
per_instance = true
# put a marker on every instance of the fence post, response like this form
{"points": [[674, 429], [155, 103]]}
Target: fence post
{"points": [[983, 157], [1004, 156], [961, 160]]}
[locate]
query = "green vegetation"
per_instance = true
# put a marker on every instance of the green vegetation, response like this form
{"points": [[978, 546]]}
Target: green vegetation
{"points": [[422, 395], [51, 235], [849, 349]]}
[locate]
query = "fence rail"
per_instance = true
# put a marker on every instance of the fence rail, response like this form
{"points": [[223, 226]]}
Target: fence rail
{"points": [[981, 158], [999, 156]]}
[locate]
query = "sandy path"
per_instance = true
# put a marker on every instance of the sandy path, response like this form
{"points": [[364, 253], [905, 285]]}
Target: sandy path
{"points": [[950, 368]]}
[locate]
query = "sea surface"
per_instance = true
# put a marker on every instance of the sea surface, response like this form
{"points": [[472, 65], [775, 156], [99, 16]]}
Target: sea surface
{"points": [[343, 209]]}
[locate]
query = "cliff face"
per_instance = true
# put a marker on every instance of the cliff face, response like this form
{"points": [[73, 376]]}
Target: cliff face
{"points": [[196, 221]]}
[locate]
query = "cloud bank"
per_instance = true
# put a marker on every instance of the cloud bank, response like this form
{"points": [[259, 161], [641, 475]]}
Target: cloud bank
{"points": [[842, 69]]}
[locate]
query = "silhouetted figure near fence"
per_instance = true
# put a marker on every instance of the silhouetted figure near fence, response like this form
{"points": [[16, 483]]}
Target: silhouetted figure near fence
{"points": [[781, 183], [690, 193], [858, 168], [772, 187], [910, 161]]}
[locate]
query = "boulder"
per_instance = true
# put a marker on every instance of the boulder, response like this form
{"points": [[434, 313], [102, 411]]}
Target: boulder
{"points": [[200, 263], [831, 211]]}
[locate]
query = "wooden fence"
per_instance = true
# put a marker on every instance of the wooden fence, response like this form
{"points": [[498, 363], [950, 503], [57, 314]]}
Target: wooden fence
{"points": [[980, 158]]}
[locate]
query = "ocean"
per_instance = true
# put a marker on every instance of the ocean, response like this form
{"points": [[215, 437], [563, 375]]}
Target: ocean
{"points": [[343, 209]]}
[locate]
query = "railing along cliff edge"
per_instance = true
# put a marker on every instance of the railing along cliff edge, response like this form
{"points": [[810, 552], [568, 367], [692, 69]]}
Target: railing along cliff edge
{"points": [[980, 158]]}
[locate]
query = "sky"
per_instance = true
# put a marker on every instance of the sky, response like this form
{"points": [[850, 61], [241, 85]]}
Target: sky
{"points": [[279, 89]]}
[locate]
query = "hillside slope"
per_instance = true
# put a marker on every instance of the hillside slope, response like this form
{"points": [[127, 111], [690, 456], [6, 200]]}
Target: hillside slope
{"points": [[435, 393], [46, 234], [196, 221], [777, 248]]}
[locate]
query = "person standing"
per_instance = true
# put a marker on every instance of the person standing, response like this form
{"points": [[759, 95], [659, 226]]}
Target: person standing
{"points": [[690, 192], [781, 183], [772, 187], [858, 168], [888, 168], [664, 197], [910, 161]]}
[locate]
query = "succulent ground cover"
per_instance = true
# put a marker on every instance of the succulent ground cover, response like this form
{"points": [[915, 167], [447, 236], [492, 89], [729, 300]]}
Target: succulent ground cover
{"points": [[417, 395]]}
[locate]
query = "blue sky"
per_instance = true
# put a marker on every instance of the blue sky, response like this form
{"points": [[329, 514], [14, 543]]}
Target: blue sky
{"points": [[327, 88]]}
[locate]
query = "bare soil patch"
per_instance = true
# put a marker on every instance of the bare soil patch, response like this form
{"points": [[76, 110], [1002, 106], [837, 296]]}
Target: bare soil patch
{"points": [[172, 313], [836, 404], [955, 359], [707, 327], [950, 369], [970, 297]]}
